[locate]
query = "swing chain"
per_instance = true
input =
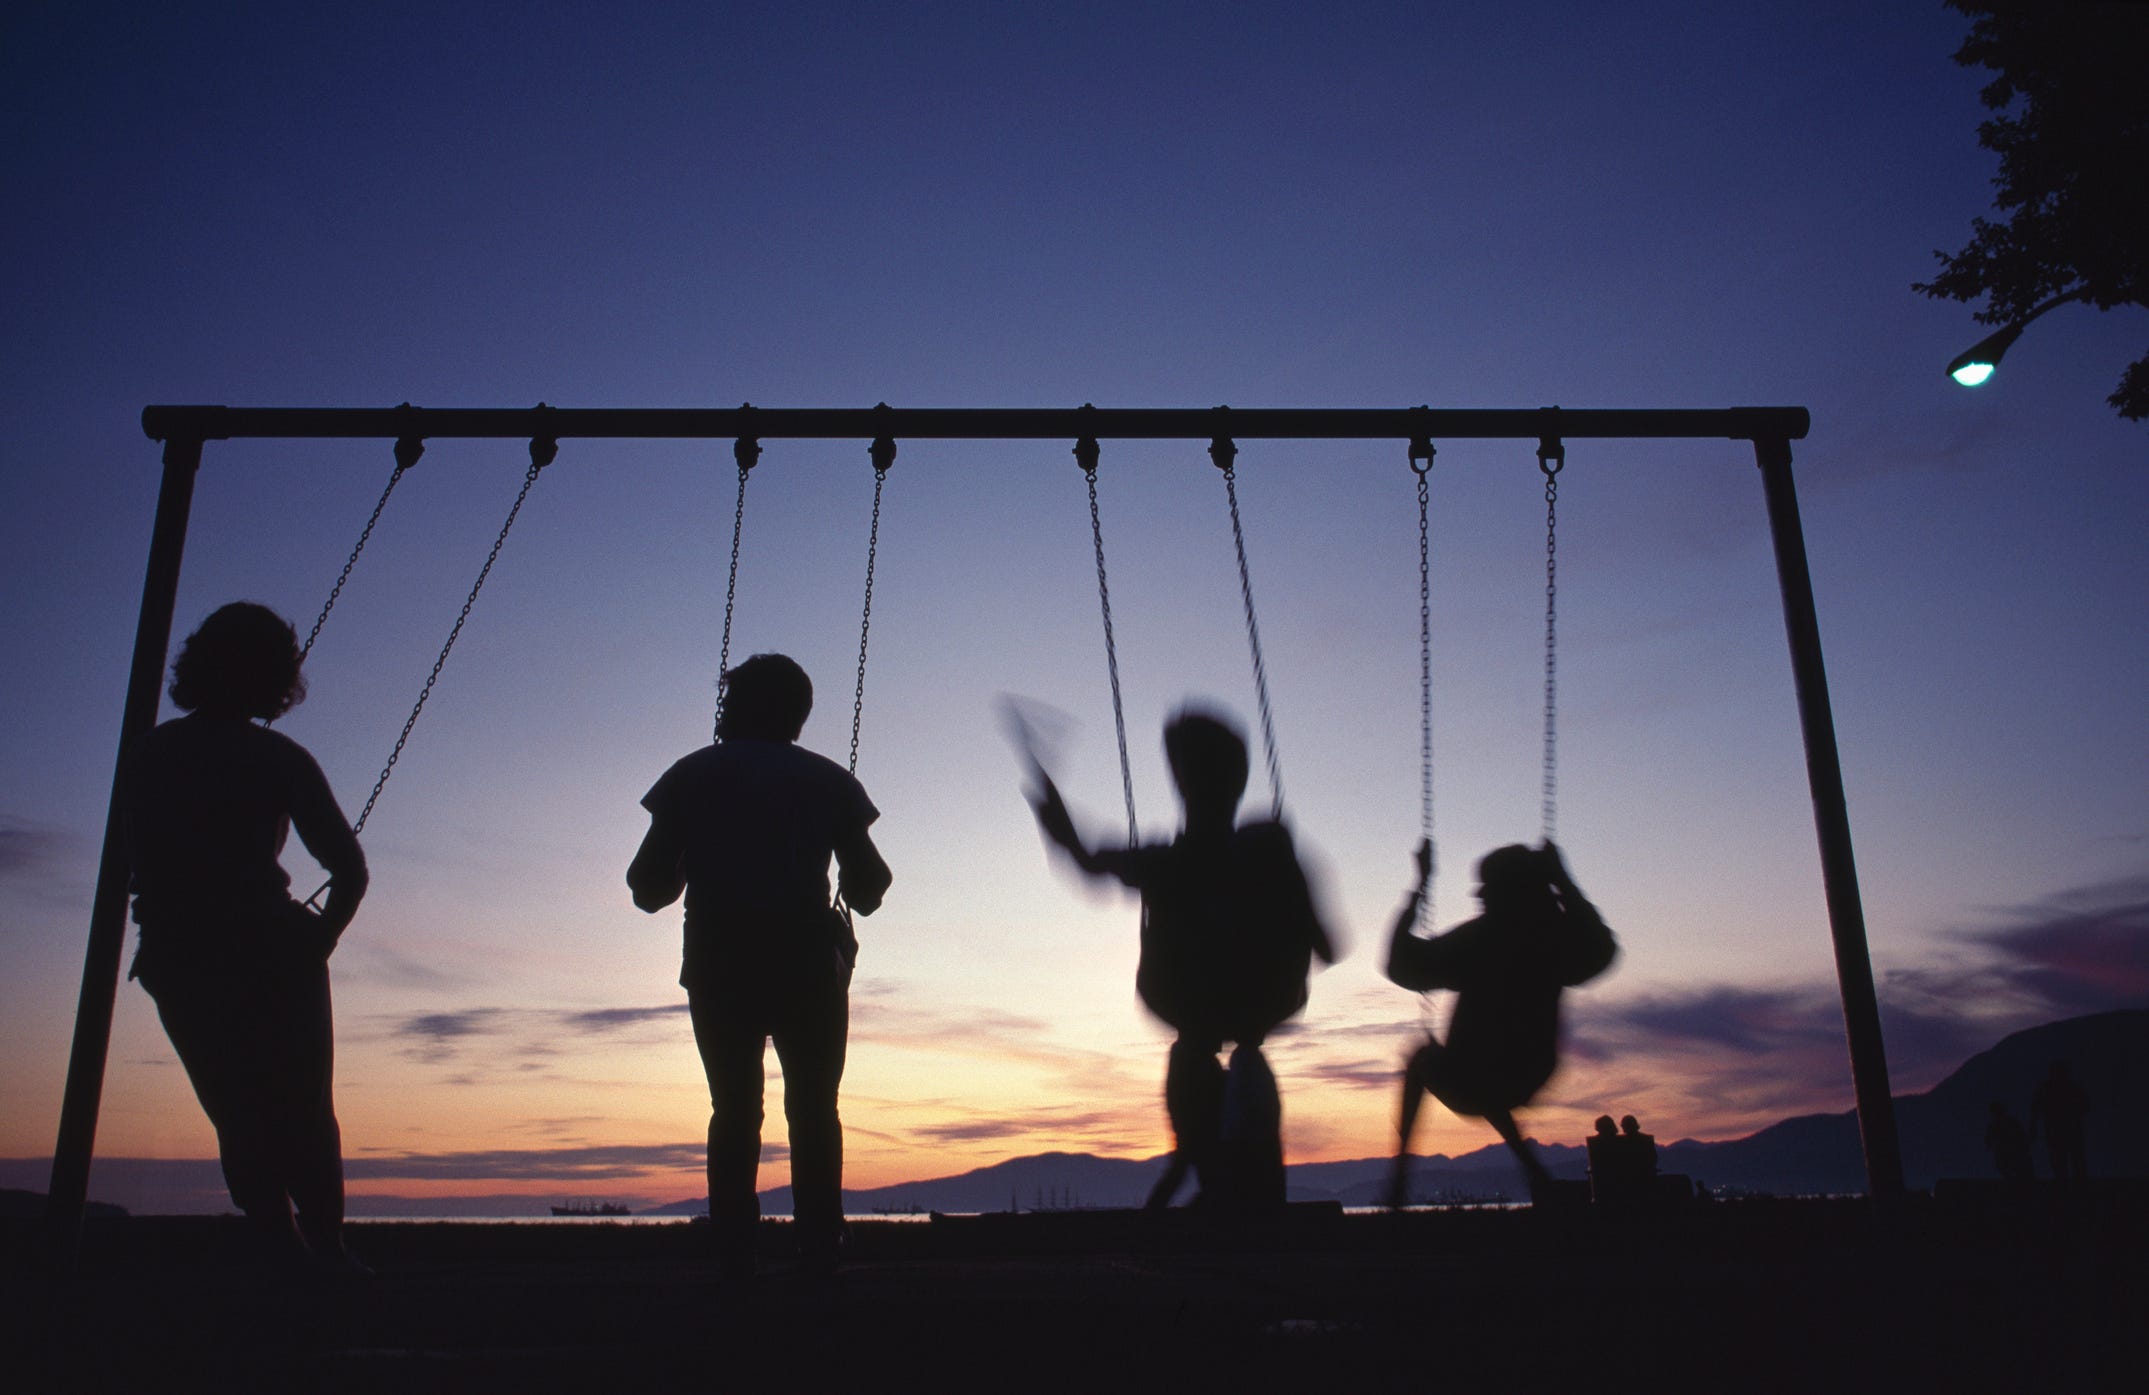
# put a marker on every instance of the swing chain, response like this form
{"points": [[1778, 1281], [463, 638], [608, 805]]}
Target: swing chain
{"points": [[883, 453], [543, 450], [407, 451], [1086, 454], [1551, 457], [746, 450], [1224, 453], [1421, 450]]}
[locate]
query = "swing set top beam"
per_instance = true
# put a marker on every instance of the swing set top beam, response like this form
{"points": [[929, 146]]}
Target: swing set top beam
{"points": [[208, 423]]}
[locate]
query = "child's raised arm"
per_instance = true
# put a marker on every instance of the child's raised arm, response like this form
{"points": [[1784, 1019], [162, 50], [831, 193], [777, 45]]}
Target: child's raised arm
{"points": [[1058, 825]]}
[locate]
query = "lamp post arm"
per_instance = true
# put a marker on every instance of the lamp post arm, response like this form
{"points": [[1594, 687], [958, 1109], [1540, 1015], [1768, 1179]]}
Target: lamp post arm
{"points": [[1984, 356]]}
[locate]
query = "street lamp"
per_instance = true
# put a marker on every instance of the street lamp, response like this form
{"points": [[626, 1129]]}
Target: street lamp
{"points": [[1975, 364]]}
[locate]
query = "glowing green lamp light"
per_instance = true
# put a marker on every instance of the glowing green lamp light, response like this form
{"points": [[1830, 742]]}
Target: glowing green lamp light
{"points": [[1976, 363]]}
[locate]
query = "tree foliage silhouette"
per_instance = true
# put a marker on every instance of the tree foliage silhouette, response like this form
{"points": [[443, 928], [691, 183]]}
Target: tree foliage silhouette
{"points": [[2072, 133]]}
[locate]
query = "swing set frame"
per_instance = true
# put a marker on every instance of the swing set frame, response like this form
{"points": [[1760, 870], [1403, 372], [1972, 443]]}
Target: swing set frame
{"points": [[184, 429]]}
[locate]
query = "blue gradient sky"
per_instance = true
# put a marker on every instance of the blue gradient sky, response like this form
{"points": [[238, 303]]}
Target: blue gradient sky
{"points": [[977, 205]]}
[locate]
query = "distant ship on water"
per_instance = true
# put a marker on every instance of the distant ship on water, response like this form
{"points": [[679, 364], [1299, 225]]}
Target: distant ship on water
{"points": [[590, 1208]]}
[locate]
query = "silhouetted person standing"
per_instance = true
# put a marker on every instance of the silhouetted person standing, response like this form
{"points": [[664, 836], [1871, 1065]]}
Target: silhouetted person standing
{"points": [[2009, 1143], [1538, 936], [238, 969], [1229, 933], [2060, 1107], [745, 828]]}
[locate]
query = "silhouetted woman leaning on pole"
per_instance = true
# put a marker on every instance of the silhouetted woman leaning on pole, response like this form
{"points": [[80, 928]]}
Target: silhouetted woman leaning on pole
{"points": [[239, 969]]}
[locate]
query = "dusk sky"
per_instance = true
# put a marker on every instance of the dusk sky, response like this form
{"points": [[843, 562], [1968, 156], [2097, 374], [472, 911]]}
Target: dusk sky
{"points": [[1346, 205]]}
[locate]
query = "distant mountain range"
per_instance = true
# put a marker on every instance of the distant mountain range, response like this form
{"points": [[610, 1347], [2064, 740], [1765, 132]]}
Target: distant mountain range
{"points": [[1942, 1133]]}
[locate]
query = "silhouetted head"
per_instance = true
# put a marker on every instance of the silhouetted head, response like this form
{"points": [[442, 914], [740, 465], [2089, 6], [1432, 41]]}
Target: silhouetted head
{"points": [[766, 698], [242, 662], [2058, 1071], [1630, 1125], [1605, 1127], [1512, 877], [1208, 761], [1998, 1109]]}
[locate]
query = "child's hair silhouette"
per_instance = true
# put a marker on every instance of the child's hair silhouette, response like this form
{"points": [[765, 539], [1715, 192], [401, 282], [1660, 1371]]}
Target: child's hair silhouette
{"points": [[766, 698], [1207, 758]]}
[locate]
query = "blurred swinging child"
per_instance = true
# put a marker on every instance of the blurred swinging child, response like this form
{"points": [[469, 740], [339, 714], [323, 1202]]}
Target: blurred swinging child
{"points": [[1228, 934]]}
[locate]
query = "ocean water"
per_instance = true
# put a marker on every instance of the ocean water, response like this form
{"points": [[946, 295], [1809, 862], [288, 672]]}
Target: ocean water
{"points": [[906, 1217], [877, 1217], [522, 1220]]}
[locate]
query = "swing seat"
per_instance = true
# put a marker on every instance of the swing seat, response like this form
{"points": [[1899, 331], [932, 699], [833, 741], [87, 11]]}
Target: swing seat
{"points": [[1469, 1085]]}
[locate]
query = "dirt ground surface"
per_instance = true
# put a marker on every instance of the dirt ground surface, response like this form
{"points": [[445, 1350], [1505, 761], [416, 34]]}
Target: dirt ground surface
{"points": [[2024, 1295]]}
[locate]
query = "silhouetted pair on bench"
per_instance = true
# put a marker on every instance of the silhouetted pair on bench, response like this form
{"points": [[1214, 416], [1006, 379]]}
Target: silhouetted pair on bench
{"points": [[2059, 1109], [1622, 1163]]}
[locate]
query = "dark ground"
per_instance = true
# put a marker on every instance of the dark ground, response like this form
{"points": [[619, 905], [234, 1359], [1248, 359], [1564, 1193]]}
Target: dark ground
{"points": [[1979, 1293]]}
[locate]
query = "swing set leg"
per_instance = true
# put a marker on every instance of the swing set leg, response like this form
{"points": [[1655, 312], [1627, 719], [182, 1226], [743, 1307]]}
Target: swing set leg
{"points": [[1831, 821], [68, 1192]]}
